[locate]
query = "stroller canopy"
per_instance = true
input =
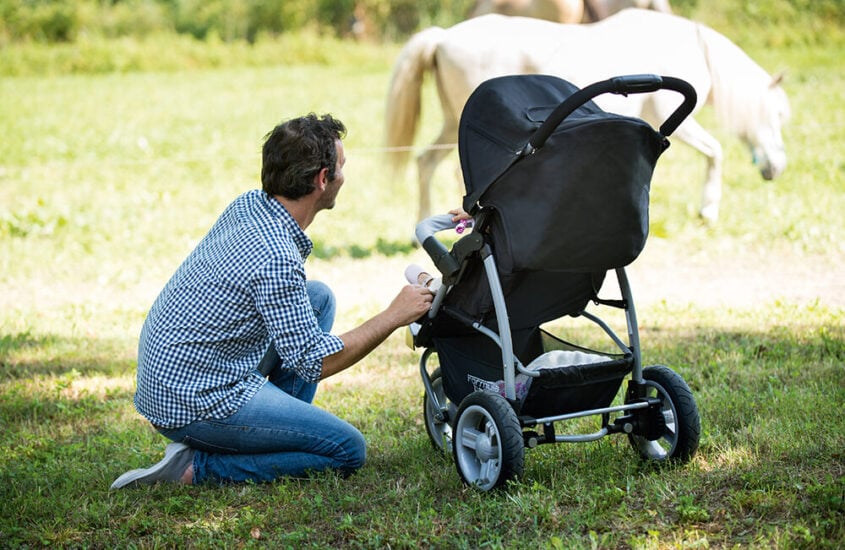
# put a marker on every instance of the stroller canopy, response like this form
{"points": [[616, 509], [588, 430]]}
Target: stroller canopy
{"points": [[580, 201]]}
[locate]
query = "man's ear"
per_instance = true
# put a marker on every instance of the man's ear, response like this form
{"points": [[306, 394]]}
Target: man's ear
{"points": [[321, 179]]}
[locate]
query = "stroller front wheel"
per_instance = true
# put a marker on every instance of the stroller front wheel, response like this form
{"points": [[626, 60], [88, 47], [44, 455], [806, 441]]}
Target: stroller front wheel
{"points": [[487, 441], [438, 424], [680, 437]]}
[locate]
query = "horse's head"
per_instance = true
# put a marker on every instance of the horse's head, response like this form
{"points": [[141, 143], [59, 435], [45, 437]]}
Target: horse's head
{"points": [[764, 136]]}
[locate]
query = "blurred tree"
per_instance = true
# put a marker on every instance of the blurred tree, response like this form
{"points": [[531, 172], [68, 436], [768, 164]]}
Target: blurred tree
{"points": [[229, 20]]}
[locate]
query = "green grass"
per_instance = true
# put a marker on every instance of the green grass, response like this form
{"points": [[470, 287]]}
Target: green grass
{"points": [[107, 181]]}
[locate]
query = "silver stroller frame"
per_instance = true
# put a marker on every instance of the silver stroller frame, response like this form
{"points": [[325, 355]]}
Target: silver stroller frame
{"points": [[486, 437]]}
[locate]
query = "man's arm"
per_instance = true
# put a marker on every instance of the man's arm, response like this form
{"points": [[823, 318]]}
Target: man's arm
{"points": [[411, 303]]}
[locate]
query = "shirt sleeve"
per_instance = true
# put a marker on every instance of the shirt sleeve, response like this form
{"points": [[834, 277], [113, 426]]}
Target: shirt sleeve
{"points": [[282, 300]]}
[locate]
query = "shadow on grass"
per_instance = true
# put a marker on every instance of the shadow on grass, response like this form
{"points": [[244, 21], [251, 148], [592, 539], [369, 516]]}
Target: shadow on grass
{"points": [[63, 385], [25, 355], [734, 358], [77, 444]]}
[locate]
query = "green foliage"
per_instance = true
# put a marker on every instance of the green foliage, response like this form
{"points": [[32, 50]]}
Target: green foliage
{"points": [[87, 36], [228, 20], [176, 52], [47, 21], [775, 23], [232, 20], [39, 20]]}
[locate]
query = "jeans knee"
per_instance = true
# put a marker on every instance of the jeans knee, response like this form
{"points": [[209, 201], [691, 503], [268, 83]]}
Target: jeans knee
{"points": [[323, 303], [356, 453]]}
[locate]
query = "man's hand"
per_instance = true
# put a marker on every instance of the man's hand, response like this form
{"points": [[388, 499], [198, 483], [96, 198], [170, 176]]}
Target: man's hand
{"points": [[409, 305]]}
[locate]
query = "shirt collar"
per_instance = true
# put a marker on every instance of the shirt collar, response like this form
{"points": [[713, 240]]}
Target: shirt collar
{"points": [[303, 243]]}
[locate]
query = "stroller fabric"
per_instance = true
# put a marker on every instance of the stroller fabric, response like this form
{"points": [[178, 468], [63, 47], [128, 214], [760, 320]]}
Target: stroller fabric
{"points": [[531, 297], [580, 202]]}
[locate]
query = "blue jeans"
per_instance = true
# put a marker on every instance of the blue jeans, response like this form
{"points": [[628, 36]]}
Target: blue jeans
{"points": [[278, 432]]}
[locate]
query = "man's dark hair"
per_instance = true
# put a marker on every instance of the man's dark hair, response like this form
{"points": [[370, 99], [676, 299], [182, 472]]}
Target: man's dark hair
{"points": [[296, 150]]}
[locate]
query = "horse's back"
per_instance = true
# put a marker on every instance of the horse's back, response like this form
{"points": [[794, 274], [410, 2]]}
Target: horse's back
{"points": [[640, 25], [492, 40], [632, 40], [626, 29], [560, 11]]}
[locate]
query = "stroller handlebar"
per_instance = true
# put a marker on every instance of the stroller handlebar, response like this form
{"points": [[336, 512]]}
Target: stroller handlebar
{"points": [[434, 224], [438, 252], [620, 85]]}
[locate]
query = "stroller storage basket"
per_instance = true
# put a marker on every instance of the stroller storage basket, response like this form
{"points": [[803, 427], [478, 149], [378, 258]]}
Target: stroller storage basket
{"points": [[574, 388], [473, 362], [590, 383]]}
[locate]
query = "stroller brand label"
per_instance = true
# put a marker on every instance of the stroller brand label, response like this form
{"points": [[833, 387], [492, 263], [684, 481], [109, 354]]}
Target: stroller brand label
{"points": [[479, 384], [522, 384]]}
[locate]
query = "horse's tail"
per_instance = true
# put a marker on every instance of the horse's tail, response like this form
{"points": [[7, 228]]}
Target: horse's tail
{"points": [[404, 95]]}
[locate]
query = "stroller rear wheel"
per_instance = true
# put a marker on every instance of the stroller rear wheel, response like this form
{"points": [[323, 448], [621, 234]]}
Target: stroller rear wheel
{"points": [[487, 441], [438, 424], [679, 440]]}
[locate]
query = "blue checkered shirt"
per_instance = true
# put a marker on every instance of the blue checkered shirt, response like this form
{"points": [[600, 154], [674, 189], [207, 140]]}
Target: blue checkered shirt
{"points": [[242, 287]]}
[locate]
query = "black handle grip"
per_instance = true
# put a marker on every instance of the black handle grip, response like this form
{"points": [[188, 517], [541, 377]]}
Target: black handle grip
{"points": [[636, 83], [622, 85], [439, 254]]}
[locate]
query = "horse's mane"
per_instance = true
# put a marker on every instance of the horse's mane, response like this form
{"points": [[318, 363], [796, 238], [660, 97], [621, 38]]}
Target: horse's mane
{"points": [[738, 83]]}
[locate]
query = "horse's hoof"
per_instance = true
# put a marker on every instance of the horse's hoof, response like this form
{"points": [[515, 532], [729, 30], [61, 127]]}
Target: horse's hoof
{"points": [[709, 214]]}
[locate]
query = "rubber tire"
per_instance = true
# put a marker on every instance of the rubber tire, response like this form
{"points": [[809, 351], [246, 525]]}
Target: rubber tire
{"points": [[683, 425], [488, 447], [439, 433]]}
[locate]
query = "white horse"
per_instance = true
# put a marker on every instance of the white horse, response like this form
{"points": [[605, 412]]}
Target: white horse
{"points": [[560, 11], [564, 11], [745, 97]]}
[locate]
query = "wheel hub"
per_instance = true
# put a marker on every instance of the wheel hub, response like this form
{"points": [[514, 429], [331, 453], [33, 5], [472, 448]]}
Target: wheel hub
{"points": [[485, 450]]}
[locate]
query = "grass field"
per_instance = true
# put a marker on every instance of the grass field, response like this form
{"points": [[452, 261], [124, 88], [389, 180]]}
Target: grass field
{"points": [[107, 181]]}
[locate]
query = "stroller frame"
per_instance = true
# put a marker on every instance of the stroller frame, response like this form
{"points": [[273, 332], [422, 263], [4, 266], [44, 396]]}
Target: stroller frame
{"points": [[486, 432]]}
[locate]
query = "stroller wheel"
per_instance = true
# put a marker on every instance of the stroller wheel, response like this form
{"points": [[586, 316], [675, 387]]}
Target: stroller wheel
{"points": [[439, 429], [679, 439], [488, 446]]}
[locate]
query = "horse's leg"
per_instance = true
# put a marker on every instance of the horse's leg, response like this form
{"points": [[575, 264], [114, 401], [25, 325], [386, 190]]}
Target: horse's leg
{"points": [[691, 133], [660, 5], [428, 161]]}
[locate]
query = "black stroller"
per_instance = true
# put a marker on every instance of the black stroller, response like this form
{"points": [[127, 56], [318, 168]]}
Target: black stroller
{"points": [[559, 193]]}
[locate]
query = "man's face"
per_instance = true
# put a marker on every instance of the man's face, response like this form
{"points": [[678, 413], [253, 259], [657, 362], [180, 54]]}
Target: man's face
{"points": [[327, 201]]}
